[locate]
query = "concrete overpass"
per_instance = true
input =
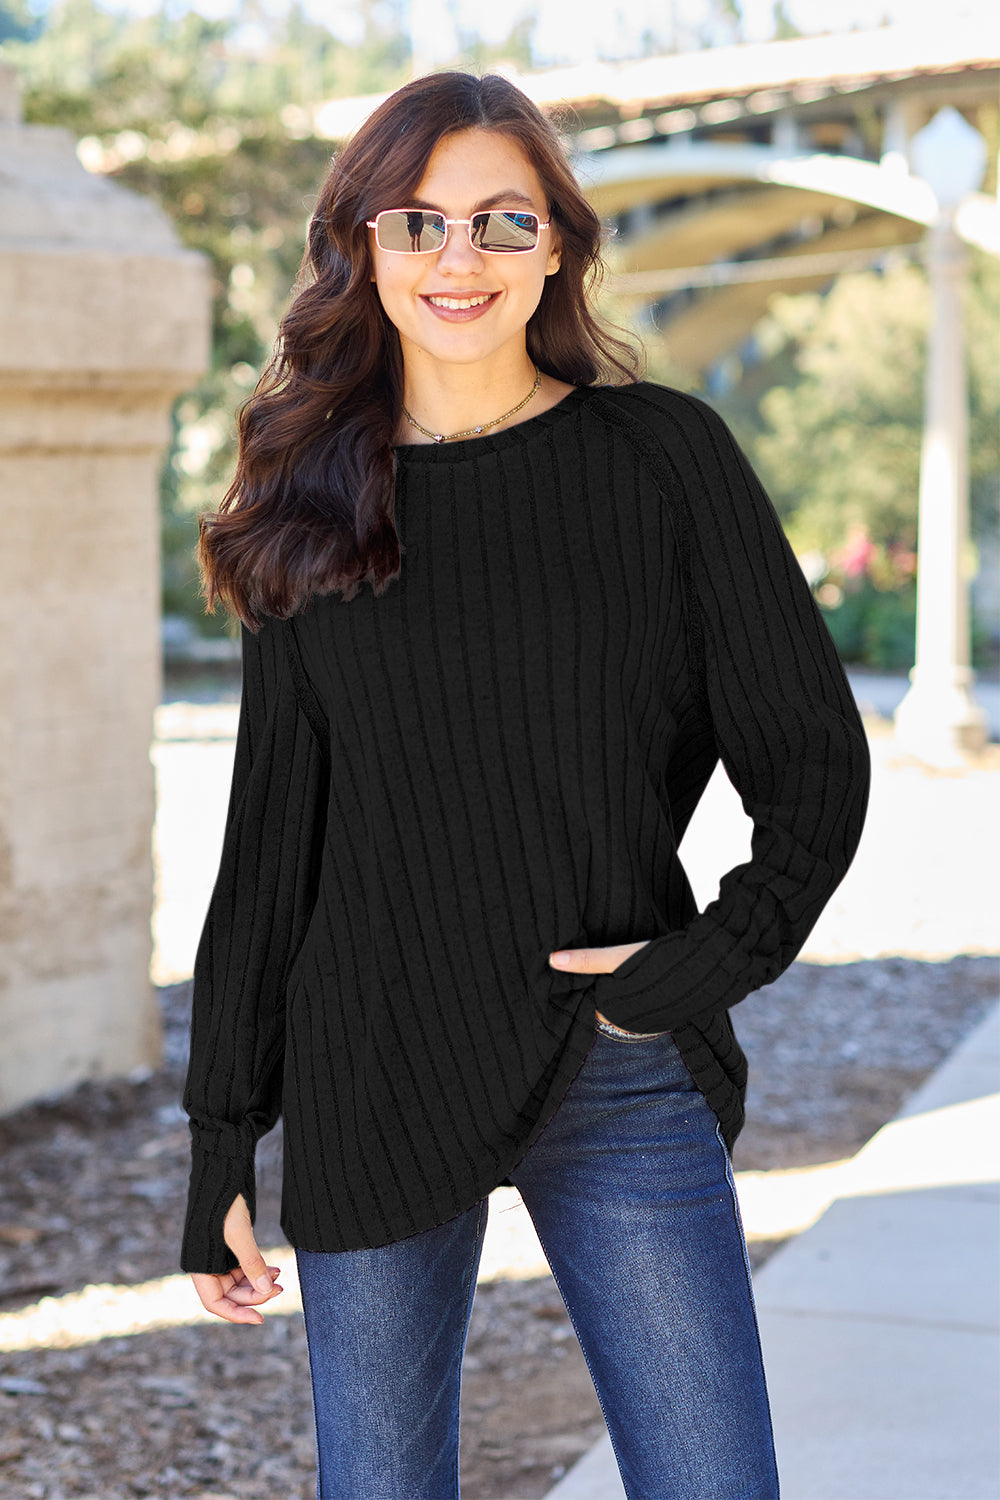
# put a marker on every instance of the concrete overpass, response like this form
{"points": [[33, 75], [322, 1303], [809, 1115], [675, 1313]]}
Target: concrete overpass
{"points": [[775, 168]]}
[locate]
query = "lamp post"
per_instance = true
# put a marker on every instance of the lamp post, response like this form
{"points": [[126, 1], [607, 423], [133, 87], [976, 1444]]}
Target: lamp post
{"points": [[939, 717]]}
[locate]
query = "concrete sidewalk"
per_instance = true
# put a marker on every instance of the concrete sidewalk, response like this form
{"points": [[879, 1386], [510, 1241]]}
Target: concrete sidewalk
{"points": [[880, 1323]]}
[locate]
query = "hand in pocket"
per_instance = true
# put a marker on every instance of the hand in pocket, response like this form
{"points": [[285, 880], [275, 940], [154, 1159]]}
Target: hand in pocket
{"points": [[595, 960]]}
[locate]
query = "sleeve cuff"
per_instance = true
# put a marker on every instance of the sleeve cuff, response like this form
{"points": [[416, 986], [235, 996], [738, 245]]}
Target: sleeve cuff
{"points": [[215, 1182]]}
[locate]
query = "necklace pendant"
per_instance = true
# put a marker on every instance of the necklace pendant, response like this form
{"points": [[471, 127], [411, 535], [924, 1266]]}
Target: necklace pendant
{"points": [[439, 437], [477, 429]]}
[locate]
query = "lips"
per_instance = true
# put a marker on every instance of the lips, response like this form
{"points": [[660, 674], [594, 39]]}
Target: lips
{"points": [[459, 307]]}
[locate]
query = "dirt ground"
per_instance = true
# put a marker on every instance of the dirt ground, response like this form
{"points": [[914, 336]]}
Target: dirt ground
{"points": [[92, 1188]]}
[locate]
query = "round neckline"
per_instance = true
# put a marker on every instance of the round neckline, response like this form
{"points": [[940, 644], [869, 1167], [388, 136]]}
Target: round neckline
{"points": [[493, 442]]}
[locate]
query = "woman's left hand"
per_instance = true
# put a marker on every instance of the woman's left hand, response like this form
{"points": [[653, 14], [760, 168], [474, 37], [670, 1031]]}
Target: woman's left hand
{"points": [[595, 960]]}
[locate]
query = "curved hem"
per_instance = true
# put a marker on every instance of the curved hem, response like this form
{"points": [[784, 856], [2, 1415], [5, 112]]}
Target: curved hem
{"points": [[579, 1043]]}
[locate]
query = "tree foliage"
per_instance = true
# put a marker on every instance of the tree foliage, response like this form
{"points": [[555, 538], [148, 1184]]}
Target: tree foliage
{"points": [[208, 118], [840, 442], [831, 416]]}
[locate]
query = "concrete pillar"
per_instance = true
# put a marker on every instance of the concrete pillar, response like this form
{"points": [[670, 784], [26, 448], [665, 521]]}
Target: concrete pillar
{"points": [[939, 717], [900, 123], [786, 135], [103, 321]]}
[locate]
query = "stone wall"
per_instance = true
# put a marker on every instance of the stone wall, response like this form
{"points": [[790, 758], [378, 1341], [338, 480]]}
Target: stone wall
{"points": [[103, 321]]}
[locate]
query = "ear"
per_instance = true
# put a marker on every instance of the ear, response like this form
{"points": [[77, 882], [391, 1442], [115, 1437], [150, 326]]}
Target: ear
{"points": [[554, 261]]}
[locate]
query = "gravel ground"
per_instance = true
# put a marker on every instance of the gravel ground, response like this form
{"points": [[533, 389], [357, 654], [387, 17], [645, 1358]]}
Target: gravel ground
{"points": [[92, 1187]]}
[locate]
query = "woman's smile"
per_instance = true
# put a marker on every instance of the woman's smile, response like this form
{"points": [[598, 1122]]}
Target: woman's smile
{"points": [[459, 307]]}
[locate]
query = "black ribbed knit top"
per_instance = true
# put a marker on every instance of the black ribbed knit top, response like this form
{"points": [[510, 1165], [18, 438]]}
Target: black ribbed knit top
{"points": [[436, 788]]}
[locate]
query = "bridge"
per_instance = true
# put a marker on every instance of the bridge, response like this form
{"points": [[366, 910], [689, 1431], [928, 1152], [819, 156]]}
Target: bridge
{"points": [[735, 172]]}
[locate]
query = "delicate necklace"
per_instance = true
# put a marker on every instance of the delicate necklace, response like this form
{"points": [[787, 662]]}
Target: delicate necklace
{"points": [[449, 437]]}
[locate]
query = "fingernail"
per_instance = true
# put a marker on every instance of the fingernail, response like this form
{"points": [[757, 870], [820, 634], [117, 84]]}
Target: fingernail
{"points": [[264, 1284], [559, 958]]}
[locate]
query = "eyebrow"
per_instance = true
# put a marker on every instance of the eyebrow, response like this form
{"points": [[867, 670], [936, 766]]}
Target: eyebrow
{"points": [[510, 198]]}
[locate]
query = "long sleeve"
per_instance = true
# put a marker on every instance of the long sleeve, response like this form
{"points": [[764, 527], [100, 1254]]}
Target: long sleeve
{"points": [[258, 914], [783, 717]]}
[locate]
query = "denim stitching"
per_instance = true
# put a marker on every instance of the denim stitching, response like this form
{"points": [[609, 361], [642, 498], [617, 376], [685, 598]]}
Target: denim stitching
{"points": [[470, 1292], [312, 1382], [753, 1302]]}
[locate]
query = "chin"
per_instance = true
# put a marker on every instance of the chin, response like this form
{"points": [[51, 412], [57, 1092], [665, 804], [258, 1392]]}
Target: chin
{"points": [[459, 351]]}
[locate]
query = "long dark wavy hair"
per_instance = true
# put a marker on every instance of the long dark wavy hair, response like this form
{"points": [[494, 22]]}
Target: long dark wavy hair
{"points": [[311, 506]]}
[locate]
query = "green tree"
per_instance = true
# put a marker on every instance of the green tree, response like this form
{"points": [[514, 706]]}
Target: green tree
{"points": [[832, 420], [210, 119], [840, 444]]}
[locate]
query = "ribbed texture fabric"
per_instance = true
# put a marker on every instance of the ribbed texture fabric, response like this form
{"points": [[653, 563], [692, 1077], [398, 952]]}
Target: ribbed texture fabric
{"points": [[435, 789]]}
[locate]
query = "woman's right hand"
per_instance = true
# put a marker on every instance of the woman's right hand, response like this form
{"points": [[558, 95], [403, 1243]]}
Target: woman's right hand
{"points": [[234, 1294]]}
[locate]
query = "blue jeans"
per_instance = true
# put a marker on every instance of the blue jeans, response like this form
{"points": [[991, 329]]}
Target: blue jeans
{"points": [[631, 1191]]}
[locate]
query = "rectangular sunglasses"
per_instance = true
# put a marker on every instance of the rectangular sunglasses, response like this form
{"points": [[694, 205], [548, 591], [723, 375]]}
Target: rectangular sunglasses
{"points": [[416, 231]]}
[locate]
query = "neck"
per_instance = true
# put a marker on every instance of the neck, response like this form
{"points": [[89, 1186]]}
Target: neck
{"points": [[453, 398]]}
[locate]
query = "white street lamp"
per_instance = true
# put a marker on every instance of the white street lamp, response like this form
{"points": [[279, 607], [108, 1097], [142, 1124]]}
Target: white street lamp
{"points": [[939, 717]]}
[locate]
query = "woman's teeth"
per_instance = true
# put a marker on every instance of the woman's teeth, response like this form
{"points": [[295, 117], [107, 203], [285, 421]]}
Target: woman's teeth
{"points": [[457, 304]]}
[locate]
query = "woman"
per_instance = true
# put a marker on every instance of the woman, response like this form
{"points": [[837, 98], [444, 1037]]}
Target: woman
{"points": [[450, 940]]}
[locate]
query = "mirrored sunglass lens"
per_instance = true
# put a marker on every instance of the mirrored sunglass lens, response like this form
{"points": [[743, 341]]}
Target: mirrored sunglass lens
{"points": [[410, 229], [505, 232]]}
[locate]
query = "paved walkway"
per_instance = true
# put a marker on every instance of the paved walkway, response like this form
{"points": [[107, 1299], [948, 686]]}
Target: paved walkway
{"points": [[880, 1324]]}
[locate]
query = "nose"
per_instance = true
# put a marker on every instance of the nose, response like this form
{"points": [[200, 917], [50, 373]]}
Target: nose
{"points": [[459, 256]]}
